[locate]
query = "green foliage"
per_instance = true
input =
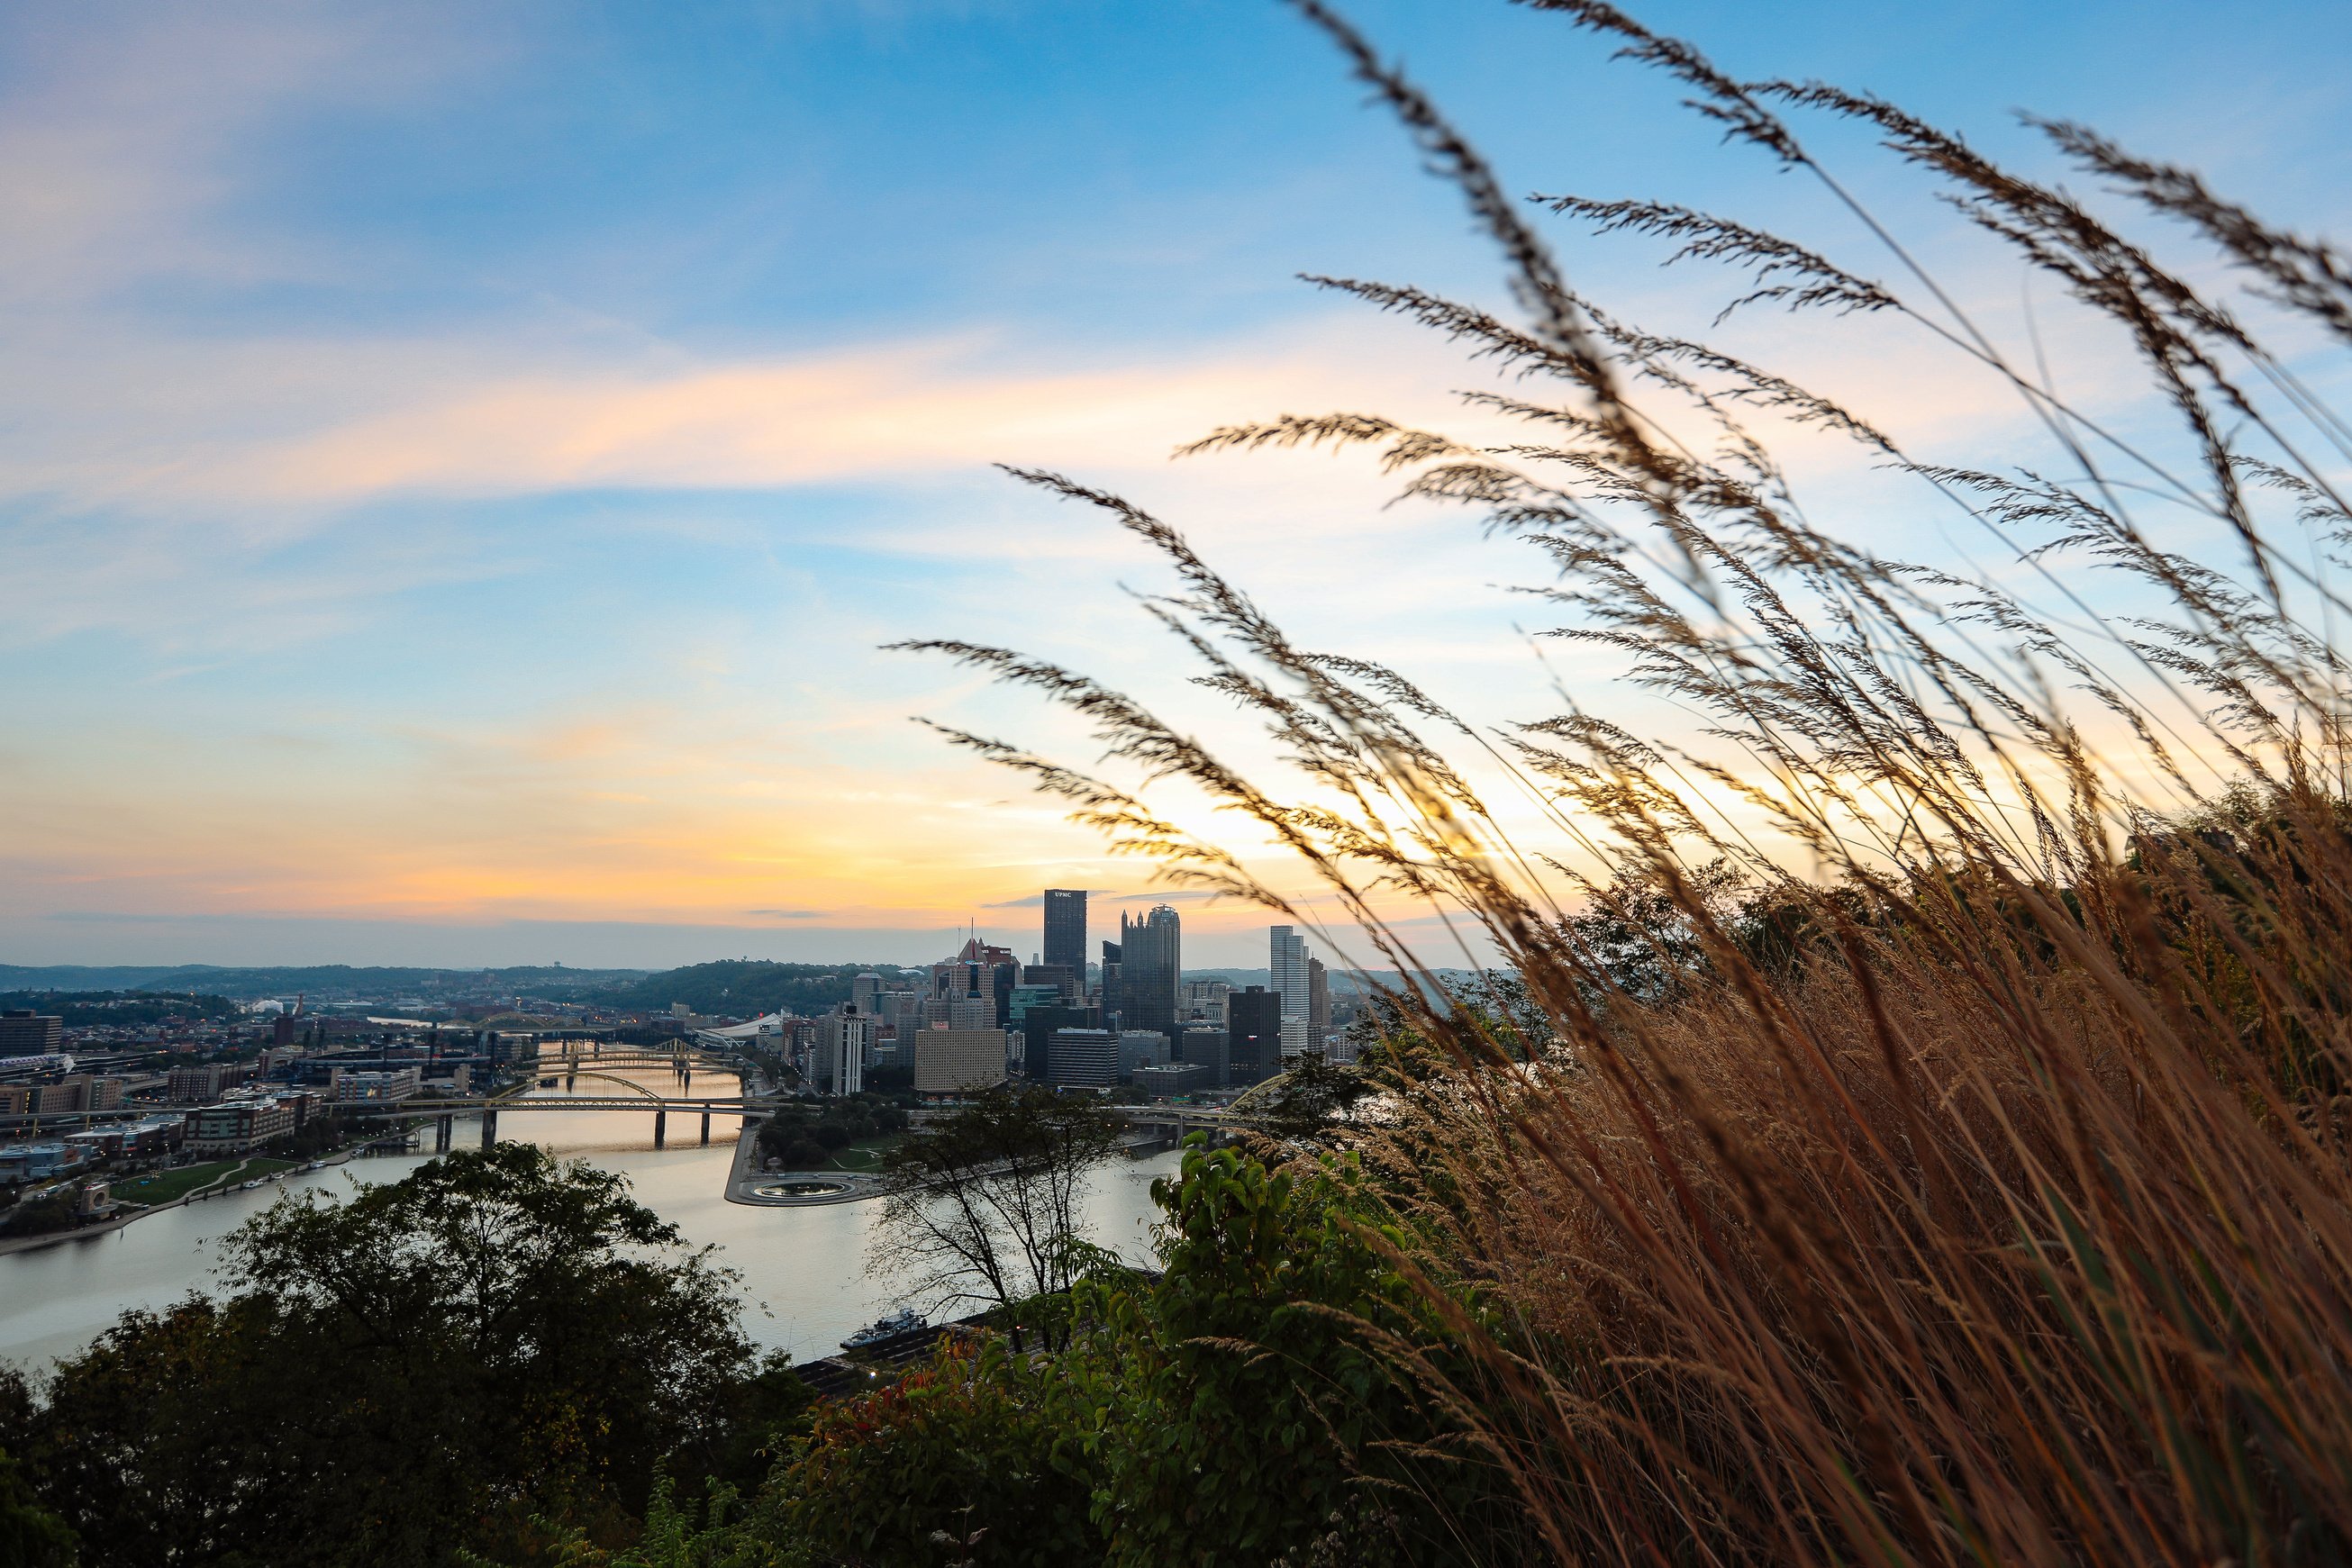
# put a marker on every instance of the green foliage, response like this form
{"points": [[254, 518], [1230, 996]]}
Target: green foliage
{"points": [[983, 1204], [429, 1365], [39, 1216], [119, 1009], [970, 1459], [806, 1134], [742, 987], [1236, 1409], [1249, 1415], [30, 1535], [1310, 1103]]}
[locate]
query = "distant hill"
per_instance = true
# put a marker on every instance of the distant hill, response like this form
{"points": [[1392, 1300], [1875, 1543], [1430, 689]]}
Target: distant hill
{"points": [[119, 1007], [321, 982], [738, 986], [1342, 979], [1236, 978], [743, 986]]}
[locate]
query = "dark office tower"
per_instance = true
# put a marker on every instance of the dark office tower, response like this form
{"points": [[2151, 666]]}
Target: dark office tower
{"points": [[1152, 971], [1086, 1058], [1072, 981], [1114, 988], [1319, 1003], [1066, 928], [1208, 1049], [1253, 1036], [1038, 1026]]}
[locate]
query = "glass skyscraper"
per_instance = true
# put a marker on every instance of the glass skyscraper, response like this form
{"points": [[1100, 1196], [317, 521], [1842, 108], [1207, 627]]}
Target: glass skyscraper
{"points": [[1151, 970], [1065, 930], [1290, 980]]}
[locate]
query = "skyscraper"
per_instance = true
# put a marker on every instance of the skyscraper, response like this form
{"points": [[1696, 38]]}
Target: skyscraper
{"points": [[1253, 1036], [1113, 997], [866, 993], [1151, 970], [1290, 980], [838, 1062], [1065, 929]]}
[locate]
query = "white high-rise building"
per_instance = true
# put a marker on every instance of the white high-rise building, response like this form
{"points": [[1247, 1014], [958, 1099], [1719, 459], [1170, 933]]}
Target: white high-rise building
{"points": [[842, 1046], [1291, 982]]}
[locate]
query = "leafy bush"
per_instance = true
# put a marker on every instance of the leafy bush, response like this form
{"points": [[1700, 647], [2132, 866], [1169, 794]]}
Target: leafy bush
{"points": [[973, 1458]]}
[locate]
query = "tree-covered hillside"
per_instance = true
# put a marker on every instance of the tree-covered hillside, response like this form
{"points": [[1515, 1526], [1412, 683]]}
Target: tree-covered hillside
{"points": [[743, 986], [79, 1008]]}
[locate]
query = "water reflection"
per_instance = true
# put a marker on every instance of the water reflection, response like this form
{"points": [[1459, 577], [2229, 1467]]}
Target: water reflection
{"points": [[803, 1268]]}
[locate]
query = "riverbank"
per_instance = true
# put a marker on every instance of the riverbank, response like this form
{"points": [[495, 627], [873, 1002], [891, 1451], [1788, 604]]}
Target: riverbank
{"points": [[747, 1184], [230, 1180]]}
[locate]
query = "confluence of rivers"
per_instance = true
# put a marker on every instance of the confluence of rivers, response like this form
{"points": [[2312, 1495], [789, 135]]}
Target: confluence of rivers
{"points": [[805, 1282]]}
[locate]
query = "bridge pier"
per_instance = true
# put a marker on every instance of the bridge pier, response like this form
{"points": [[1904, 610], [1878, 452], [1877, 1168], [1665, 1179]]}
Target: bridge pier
{"points": [[661, 1129], [706, 1129], [443, 1126], [489, 1128], [686, 1075]]}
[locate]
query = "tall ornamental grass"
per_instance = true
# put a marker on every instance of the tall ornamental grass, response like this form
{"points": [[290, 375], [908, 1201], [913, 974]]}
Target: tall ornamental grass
{"points": [[1914, 1128]]}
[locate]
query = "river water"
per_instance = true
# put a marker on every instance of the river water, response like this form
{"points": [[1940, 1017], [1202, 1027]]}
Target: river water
{"points": [[804, 1278]]}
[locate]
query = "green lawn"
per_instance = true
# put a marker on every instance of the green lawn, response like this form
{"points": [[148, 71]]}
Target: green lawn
{"points": [[865, 1156], [166, 1186]]}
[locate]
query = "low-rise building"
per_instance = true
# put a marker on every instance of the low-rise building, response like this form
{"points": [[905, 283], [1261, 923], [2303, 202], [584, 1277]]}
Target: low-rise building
{"points": [[61, 1096], [131, 1140], [238, 1126], [351, 1088], [1207, 1048], [39, 1162], [206, 1082], [1168, 1078], [1141, 1048]]}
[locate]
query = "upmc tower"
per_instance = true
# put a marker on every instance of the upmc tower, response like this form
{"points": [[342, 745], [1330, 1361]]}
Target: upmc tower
{"points": [[1065, 931]]}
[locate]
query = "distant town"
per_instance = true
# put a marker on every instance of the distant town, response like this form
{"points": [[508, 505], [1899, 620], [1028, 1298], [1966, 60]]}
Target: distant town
{"points": [[114, 1101]]}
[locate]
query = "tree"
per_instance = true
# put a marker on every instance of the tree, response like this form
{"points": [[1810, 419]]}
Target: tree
{"points": [[443, 1364], [981, 1206], [972, 1459], [1313, 1103], [1277, 1291], [30, 1535]]}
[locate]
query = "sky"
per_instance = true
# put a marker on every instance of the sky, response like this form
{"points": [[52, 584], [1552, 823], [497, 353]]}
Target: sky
{"points": [[459, 462]]}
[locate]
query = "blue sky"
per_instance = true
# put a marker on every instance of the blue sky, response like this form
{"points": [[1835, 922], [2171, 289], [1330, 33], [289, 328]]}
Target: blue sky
{"points": [[456, 463]]}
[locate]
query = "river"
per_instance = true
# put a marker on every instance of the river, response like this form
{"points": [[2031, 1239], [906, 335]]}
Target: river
{"points": [[804, 1279]]}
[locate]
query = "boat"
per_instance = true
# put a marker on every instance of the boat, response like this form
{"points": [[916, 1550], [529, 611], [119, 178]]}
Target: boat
{"points": [[906, 1320]]}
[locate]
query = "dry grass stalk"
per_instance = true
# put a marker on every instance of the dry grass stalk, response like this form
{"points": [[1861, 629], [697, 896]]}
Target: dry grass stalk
{"points": [[1986, 1200]]}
